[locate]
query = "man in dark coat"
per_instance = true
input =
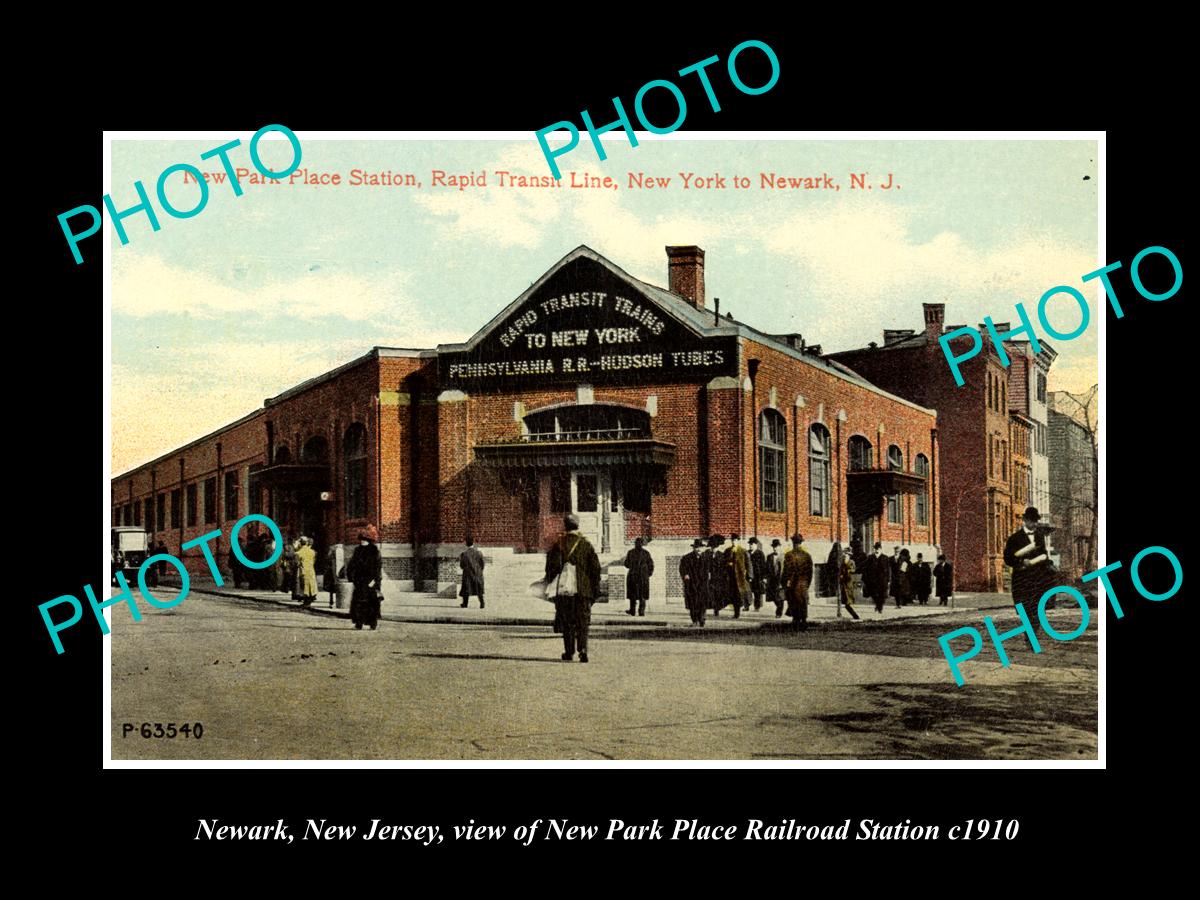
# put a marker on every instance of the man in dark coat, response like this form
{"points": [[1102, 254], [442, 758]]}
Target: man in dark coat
{"points": [[639, 567], [922, 580], [717, 574], [574, 610], [943, 577], [471, 563], [758, 572], [159, 549], [693, 569], [1032, 571], [237, 571], [775, 578], [894, 574], [797, 576], [877, 571]]}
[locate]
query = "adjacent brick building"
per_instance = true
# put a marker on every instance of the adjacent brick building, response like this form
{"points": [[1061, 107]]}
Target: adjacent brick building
{"points": [[634, 406], [1073, 473], [975, 482]]}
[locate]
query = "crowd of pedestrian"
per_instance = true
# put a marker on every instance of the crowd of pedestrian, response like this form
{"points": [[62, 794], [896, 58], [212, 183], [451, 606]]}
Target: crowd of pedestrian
{"points": [[733, 573], [904, 580], [294, 572], [720, 573]]}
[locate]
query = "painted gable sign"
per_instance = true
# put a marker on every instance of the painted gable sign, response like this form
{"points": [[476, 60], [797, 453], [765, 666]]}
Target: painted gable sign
{"points": [[586, 324]]}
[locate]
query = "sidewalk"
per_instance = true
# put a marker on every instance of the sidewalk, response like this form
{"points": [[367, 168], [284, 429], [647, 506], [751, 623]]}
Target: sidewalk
{"points": [[427, 609]]}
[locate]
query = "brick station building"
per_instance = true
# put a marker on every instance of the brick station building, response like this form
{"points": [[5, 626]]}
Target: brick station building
{"points": [[634, 406], [977, 430]]}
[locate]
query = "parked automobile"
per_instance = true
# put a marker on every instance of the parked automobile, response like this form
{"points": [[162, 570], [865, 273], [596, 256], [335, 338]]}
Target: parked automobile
{"points": [[130, 547]]}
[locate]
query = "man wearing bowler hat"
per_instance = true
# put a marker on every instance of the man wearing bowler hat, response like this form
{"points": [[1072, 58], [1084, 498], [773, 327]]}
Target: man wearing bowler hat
{"points": [[1032, 572], [797, 576], [775, 578], [692, 572], [877, 571], [716, 577]]}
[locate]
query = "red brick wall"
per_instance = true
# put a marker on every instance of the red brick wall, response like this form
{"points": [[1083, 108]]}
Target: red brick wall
{"points": [[326, 409], [824, 395], [965, 424]]}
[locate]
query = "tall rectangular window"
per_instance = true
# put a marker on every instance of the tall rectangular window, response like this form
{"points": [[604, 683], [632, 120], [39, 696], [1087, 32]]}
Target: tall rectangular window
{"points": [[161, 510], [137, 513], [1041, 387], [819, 471], [923, 497], [231, 495], [210, 500], [191, 505], [587, 492], [354, 445], [560, 493], [895, 464], [772, 461], [176, 508]]}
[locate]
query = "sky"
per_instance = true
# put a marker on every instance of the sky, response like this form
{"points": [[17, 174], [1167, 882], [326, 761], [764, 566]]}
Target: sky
{"points": [[254, 294]]}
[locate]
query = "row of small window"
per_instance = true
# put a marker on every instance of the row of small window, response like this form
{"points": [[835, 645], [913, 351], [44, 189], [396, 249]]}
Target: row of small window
{"points": [[772, 469], [997, 394], [184, 506]]}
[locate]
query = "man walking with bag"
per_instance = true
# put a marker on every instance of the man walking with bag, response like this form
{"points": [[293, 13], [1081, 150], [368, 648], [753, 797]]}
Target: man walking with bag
{"points": [[572, 577]]}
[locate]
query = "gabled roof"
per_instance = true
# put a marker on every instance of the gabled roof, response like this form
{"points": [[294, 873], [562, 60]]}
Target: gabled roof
{"points": [[667, 302], [677, 307]]}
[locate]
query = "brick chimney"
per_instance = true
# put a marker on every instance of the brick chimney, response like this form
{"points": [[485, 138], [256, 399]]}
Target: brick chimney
{"points": [[935, 315], [685, 268]]}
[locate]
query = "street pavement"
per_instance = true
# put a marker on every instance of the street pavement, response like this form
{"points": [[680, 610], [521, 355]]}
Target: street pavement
{"points": [[270, 680]]}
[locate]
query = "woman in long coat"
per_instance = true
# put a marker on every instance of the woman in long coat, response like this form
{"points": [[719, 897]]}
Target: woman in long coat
{"points": [[306, 572], [365, 571]]}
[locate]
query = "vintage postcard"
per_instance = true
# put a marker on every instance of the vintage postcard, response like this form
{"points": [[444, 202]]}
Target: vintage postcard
{"points": [[666, 459]]}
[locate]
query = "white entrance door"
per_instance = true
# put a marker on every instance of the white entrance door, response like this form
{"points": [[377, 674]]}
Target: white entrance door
{"points": [[601, 519]]}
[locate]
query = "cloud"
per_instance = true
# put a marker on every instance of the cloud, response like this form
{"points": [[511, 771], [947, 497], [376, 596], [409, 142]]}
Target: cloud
{"points": [[502, 216], [868, 252], [145, 285]]}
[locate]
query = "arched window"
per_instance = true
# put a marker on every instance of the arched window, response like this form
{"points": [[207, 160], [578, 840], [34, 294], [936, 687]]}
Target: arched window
{"points": [[772, 461], [315, 450], [283, 455], [355, 446], [860, 453], [896, 464], [922, 469], [818, 470]]}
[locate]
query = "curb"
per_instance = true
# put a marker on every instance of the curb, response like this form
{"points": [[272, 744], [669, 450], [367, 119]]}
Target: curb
{"points": [[617, 625]]}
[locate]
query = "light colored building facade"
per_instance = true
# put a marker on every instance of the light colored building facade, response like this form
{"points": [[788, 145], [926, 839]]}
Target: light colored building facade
{"points": [[1028, 379]]}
